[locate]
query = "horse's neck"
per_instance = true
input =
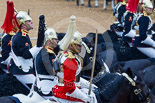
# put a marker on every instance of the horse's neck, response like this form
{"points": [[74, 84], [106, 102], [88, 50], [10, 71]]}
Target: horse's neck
{"points": [[124, 92]]}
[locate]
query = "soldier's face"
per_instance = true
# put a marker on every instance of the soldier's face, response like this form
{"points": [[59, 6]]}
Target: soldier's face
{"points": [[149, 10], [53, 43], [78, 47], [29, 24]]}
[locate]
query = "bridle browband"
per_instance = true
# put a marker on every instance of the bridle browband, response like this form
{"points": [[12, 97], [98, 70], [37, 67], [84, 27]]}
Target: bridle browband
{"points": [[137, 91]]}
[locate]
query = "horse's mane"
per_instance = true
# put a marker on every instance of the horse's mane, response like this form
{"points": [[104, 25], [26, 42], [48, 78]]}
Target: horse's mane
{"points": [[10, 84], [109, 85]]}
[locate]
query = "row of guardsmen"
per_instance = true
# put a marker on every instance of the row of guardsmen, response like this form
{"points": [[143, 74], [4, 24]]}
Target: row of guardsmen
{"points": [[46, 74], [130, 19]]}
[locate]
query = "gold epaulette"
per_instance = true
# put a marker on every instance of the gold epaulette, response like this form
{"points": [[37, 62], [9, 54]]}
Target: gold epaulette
{"points": [[123, 3], [24, 32], [12, 33], [69, 55], [50, 50]]}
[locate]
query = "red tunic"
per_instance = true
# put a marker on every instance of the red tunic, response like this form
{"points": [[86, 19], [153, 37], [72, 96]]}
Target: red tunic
{"points": [[70, 67]]}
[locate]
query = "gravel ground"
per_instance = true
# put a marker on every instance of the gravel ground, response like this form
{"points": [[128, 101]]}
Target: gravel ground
{"points": [[57, 13]]}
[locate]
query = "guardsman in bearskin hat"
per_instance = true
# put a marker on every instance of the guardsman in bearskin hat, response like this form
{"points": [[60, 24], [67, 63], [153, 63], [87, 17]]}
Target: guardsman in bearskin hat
{"points": [[21, 50], [128, 19], [45, 73], [69, 65], [8, 31], [144, 22]]}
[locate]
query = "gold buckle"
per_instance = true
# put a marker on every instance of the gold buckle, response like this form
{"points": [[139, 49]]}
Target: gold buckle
{"points": [[137, 91]]}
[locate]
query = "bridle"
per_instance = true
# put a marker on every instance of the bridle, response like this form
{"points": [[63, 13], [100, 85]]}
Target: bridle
{"points": [[142, 97]]}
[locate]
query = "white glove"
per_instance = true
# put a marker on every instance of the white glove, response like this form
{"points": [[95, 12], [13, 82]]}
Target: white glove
{"points": [[85, 84], [35, 50], [77, 93], [92, 97]]}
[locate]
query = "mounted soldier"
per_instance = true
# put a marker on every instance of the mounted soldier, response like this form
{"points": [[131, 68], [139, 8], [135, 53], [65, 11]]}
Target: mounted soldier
{"points": [[129, 33], [118, 12], [22, 52], [8, 31], [45, 73], [144, 43], [71, 88]]}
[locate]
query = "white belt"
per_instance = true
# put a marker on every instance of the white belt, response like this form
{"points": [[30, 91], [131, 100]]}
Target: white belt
{"points": [[47, 83], [47, 77], [77, 84]]}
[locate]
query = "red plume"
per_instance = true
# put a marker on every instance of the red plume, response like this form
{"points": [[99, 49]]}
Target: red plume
{"points": [[7, 25], [132, 5]]}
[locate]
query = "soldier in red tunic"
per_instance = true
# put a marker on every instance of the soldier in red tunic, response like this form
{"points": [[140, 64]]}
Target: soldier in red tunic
{"points": [[69, 89]]}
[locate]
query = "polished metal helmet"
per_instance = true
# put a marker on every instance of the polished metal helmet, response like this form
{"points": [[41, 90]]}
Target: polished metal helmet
{"points": [[77, 39], [147, 6], [50, 33], [22, 17]]}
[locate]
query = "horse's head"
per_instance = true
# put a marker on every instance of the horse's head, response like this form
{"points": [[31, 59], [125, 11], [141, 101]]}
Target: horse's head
{"points": [[87, 57], [140, 91]]}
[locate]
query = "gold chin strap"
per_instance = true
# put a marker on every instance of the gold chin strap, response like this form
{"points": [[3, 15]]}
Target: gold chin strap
{"points": [[27, 25], [12, 33], [154, 10], [87, 49], [124, 2], [53, 42], [75, 49]]}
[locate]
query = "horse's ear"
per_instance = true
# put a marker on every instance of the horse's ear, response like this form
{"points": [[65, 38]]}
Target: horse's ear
{"points": [[129, 72]]}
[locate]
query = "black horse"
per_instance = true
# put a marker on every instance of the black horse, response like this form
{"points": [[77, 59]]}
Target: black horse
{"points": [[149, 77], [9, 85], [145, 67], [113, 88], [135, 65]]}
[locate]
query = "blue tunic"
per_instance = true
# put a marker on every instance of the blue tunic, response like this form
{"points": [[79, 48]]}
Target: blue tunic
{"points": [[143, 22], [21, 44], [6, 46], [44, 63]]}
